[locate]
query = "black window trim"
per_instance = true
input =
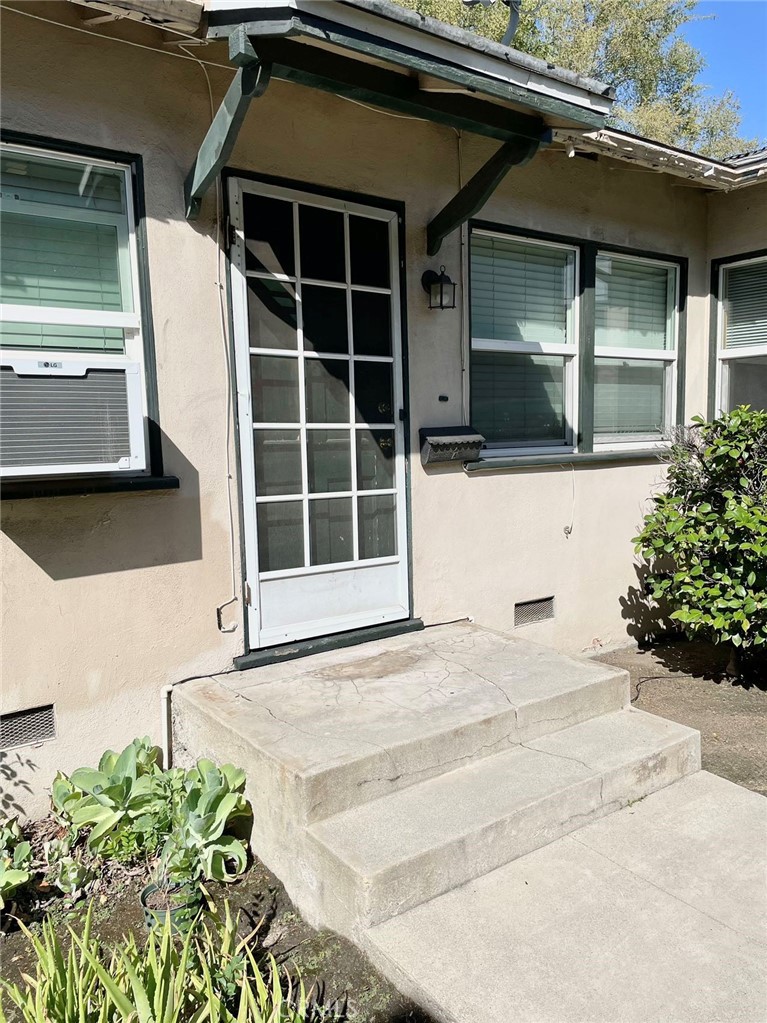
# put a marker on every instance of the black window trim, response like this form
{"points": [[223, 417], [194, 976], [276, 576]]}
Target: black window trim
{"points": [[154, 477]]}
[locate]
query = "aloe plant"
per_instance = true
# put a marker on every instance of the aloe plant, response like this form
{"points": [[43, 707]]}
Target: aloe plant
{"points": [[211, 976]]}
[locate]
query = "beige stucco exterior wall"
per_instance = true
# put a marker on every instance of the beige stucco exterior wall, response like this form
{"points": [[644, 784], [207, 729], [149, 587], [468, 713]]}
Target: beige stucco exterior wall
{"points": [[109, 598], [737, 221]]}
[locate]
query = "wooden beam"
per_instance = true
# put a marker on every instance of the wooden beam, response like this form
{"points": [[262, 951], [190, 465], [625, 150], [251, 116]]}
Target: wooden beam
{"points": [[251, 80], [272, 23], [344, 76], [475, 193]]}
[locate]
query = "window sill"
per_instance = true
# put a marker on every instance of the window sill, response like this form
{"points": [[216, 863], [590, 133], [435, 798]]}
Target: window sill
{"points": [[491, 464], [19, 489]]}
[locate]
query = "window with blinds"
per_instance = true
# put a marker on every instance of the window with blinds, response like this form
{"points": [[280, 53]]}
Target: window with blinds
{"points": [[743, 335], [524, 344], [635, 349], [65, 283], [74, 397]]}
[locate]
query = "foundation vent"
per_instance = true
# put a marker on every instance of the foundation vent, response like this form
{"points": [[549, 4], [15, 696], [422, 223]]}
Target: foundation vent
{"points": [[529, 611], [27, 727]]}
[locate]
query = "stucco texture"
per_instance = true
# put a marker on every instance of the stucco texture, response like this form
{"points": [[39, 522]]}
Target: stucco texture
{"points": [[109, 598]]}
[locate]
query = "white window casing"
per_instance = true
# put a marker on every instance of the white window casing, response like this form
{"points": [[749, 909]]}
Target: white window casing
{"points": [[636, 331], [741, 364], [72, 305], [524, 302]]}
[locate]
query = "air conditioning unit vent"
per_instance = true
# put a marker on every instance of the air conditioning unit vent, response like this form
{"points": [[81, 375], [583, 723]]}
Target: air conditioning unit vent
{"points": [[27, 727], [63, 416], [528, 612]]}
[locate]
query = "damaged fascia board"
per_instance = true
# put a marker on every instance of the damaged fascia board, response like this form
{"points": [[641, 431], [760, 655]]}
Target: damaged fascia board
{"points": [[578, 97], [176, 15], [717, 174]]}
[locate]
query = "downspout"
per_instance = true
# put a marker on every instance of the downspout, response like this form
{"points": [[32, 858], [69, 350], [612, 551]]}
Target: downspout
{"points": [[165, 713]]}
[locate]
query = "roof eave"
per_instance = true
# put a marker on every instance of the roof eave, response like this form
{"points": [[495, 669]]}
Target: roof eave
{"points": [[374, 28]]}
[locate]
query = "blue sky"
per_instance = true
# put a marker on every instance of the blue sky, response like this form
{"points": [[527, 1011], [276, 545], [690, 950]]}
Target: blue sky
{"points": [[734, 44]]}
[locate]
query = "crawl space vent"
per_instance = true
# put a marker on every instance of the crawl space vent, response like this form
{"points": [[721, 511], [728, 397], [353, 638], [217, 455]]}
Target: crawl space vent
{"points": [[529, 611], [27, 727]]}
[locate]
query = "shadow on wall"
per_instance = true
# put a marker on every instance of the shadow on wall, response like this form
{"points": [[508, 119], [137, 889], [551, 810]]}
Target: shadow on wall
{"points": [[13, 785], [646, 620], [74, 537]]}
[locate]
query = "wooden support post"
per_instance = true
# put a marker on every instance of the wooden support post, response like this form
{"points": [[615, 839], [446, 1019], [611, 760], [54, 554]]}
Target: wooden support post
{"points": [[475, 193], [251, 81]]}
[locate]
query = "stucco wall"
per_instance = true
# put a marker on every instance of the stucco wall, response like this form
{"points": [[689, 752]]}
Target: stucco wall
{"points": [[109, 598], [737, 221]]}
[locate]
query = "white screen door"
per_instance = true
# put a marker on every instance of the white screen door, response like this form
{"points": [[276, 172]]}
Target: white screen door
{"points": [[319, 385]]}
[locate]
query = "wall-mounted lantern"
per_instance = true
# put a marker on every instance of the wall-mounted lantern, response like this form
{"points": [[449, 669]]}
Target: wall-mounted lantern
{"points": [[439, 288]]}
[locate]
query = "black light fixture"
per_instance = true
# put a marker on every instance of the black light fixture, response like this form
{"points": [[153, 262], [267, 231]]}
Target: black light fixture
{"points": [[439, 288]]}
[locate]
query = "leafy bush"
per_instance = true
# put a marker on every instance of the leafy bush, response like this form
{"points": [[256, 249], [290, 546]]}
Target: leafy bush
{"points": [[705, 541], [129, 807], [15, 859], [120, 804], [213, 975]]}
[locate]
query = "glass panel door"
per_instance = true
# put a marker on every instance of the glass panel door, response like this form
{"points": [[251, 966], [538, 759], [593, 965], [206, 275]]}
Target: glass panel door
{"points": [[316, 310]]}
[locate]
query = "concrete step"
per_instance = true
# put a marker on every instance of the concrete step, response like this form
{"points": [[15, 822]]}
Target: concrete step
{"points": [[390, 855], [335, 730], [655, 913]]}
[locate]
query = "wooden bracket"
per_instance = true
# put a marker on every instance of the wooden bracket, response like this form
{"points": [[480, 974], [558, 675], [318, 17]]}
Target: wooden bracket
{"points": [[477, 191], [250, 81]]}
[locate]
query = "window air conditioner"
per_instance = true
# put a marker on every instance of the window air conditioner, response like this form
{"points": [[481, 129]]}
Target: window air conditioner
{"points": [[61, 416]]}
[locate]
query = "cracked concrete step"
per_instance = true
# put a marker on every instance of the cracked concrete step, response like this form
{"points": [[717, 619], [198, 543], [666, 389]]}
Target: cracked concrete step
{"points": [[383, 858], [337, 729]]}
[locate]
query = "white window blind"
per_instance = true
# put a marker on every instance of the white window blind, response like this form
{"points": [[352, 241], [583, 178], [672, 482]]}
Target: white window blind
{"points": [[66, 281], [745, 305], [743, 335], [635, 345], [631, 304], [524, 342], [519, 292]]}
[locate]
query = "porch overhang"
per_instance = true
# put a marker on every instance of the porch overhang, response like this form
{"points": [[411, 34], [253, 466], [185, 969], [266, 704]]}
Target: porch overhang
{"points": [[380, 55]]}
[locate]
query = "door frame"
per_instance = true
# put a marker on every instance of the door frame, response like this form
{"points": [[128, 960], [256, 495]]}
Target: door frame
{"points": [[251, 648]]}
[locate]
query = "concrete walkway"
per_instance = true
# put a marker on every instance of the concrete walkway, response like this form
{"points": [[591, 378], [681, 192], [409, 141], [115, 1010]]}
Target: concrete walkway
{"points": [[654, 914]]}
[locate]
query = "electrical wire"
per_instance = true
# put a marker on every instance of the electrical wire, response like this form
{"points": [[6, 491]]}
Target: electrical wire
{"points": [[223, 321]]}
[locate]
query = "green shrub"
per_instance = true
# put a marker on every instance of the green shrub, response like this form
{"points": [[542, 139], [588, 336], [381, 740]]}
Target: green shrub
{"points": [[211, 976], [705, 541], [130, 807]]}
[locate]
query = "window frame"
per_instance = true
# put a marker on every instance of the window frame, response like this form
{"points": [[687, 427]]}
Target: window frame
{"points": [[137, 324], [670, 356], [585, 448], [570, 353], [720, 354]]}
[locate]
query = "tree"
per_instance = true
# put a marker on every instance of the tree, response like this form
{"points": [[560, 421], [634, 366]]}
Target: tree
{"points": [[634, 45]]}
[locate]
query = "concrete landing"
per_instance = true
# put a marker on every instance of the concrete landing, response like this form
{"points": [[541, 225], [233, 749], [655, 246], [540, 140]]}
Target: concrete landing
{"points": [[654, 914], [358, 723]]}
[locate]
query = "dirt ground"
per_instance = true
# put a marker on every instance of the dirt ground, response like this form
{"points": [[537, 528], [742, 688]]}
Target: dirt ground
{"points": [[349, 986], [686, 681]]}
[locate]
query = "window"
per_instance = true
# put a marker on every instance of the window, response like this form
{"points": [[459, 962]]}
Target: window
{"points": [[69, 292], [524, 342], [742, 334], [635, 350], [525, 346]]}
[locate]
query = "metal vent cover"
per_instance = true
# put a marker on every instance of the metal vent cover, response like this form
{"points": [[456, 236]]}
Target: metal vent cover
{"points": [[529, 611], [64, 420], [27, 727]]}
